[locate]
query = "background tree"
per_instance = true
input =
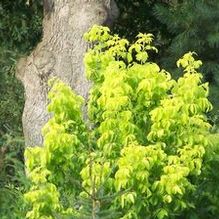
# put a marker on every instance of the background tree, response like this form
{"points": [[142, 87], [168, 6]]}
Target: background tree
{"points": [[192, 26], [20, 26], [60, 53]]}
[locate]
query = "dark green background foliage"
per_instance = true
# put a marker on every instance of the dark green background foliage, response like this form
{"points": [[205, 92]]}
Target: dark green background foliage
{"points": [[20, 24], [137, 16], [192, 25], [20, 30]]}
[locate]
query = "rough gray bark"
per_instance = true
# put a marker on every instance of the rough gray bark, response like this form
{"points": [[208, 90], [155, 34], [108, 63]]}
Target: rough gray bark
{"points": [[60, 53]]}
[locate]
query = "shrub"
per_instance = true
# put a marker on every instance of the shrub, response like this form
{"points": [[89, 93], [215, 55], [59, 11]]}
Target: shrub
{"points": [[141, 152]]}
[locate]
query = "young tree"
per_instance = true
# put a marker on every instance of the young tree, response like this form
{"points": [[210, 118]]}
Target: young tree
{"points": [[60, 53], [141, 154]]}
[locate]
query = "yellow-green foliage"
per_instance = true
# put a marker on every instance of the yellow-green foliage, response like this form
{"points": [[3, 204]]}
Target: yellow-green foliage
{"points": [[144, 147]]}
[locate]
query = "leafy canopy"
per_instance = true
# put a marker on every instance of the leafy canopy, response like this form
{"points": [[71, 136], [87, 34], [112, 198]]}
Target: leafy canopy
{"points": [[140, 152]]}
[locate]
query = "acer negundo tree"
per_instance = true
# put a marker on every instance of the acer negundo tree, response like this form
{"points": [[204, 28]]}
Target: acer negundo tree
{"points": [[140, 153]]}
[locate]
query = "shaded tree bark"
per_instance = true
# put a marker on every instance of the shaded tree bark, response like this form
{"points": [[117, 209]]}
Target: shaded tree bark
{"points": [[60, 54]]}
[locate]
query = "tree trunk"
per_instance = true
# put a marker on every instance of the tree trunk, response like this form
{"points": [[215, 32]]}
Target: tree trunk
{"points": [[60, 54]]}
